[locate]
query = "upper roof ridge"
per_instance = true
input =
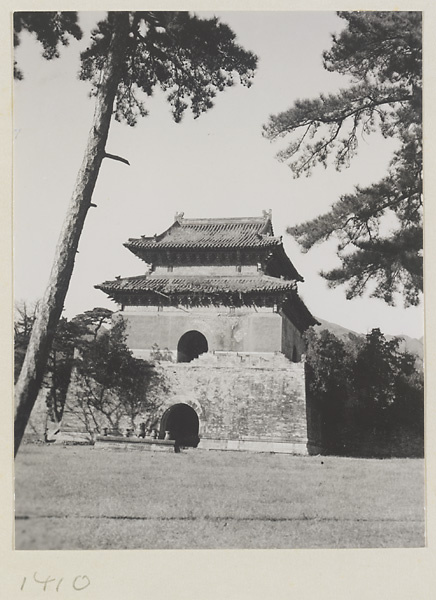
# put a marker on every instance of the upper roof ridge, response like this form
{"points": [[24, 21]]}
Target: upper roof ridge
{"points": [[219, 220]]}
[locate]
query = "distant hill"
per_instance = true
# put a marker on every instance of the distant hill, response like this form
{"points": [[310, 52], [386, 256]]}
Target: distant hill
{"points": [[413, 345]]}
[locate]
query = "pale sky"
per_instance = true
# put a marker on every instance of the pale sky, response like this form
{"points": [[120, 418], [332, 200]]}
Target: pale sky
{"points": [[215, 166]]}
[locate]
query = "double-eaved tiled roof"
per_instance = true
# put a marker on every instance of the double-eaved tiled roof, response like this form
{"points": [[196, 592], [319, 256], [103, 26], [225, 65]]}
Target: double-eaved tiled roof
{"points": [[250, 232], [275, 284]]}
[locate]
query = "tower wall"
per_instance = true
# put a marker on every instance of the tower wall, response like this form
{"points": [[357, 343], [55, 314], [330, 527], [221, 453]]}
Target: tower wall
{"points": [[241, 330]]}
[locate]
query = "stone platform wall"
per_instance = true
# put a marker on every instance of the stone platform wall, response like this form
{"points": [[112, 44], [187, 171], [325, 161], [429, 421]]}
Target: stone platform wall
{"points": [[243, 401]]}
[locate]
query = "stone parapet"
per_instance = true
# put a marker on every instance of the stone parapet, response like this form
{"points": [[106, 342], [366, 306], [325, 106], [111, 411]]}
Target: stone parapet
{"points": [[268, 360]]}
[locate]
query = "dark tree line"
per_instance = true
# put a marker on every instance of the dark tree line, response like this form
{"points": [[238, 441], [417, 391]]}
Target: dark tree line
{"points": [[365, 395]]}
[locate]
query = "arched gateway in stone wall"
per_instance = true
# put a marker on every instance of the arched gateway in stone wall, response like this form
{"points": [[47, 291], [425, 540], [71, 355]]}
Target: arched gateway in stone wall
{"points": [[180, 423], [220, 297]]}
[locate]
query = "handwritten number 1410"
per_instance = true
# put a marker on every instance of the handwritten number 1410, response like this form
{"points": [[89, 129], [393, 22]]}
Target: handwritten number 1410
{"points": [[79, 583]]}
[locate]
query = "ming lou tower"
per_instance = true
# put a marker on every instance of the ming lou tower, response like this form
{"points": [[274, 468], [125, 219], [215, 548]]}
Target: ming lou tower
{"points": [[219, 304]]}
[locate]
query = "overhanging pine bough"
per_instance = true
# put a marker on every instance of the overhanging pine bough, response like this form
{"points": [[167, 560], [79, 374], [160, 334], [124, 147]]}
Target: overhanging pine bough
{"points": [[382, 52]]}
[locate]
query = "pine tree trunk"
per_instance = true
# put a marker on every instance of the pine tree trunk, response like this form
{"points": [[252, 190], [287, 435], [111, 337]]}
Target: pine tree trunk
{"points": [[50, 308]]}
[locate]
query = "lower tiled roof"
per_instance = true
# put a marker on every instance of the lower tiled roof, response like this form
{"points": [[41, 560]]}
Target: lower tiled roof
{"points": [[192, 284], [193, 291]]}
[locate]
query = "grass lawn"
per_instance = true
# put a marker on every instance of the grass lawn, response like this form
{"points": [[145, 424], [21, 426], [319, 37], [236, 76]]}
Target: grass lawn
{"points": [[81, 498]]}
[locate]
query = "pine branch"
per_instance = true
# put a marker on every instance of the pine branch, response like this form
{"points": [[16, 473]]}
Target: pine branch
{"points": [[115, 157]]}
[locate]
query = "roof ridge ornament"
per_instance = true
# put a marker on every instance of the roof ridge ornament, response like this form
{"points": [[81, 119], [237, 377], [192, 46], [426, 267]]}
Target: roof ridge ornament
{"points": [[179, 216], [267, 214]]}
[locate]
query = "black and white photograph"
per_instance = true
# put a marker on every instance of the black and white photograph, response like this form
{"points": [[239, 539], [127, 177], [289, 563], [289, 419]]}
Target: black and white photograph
{"points": [[218, 281]]}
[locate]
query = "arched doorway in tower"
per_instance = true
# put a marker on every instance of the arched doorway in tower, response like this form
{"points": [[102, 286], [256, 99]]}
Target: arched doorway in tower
{"points": [[181, 421], [191, 345]]}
